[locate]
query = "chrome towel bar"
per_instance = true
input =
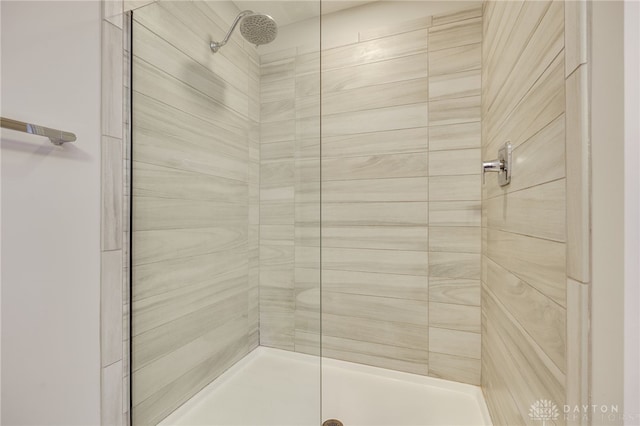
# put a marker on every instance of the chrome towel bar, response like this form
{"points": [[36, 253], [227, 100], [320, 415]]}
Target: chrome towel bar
{"points": [[57, 137]]}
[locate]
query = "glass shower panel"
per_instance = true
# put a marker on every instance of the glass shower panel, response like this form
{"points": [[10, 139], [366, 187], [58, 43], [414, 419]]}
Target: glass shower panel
{"points": [[225, 165], [401, 202]]}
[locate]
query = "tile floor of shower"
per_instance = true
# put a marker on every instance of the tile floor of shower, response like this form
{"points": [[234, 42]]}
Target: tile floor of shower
{"points": [[276, 387]]}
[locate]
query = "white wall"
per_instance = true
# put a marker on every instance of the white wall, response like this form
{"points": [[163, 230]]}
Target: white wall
{"points": [[607, 153], [51, 215], [632, 210]]}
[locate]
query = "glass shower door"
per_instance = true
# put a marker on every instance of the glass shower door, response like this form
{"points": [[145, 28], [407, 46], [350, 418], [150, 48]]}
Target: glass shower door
{"points": [[225, 277]]}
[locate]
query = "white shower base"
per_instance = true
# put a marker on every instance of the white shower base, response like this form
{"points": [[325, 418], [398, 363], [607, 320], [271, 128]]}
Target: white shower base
{"points": [[272, 387]]}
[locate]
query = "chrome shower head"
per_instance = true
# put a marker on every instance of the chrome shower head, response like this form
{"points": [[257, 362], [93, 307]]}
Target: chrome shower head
{"points": [[256, 28], [259, 29]]}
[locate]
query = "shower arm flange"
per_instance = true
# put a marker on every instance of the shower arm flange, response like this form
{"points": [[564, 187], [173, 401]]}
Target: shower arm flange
{"points": [[216, 45]]}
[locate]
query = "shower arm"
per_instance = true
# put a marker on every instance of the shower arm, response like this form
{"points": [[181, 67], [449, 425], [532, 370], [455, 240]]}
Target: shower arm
{"points": [[216, 45]]}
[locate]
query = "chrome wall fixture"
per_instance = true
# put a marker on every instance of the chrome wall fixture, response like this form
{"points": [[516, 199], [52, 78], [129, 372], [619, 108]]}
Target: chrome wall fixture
{"points": [[502, 165], [256, 28], [57, 137]]}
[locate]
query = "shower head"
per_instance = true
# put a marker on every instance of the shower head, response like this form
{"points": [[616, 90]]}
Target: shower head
{"points": [[256, 28]]}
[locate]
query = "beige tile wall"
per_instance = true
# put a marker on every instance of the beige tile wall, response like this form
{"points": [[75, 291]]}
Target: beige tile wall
{"points": [[114, 223], [400, 215], [454, 195], [195, 204], [535, 230]]}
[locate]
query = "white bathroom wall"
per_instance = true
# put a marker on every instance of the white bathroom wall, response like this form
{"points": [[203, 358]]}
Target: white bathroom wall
{"points": [[608, 233], [632, 210], [51, 215]]}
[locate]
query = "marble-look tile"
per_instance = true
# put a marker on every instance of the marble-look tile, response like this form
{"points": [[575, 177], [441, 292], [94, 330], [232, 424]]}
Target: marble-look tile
{"points": [[375, 120], [411, 214], [412, 336], [458, 15], [111, 306], [546, 97], [453, 367], [111, 401], [454, 265], [377, 143], [540, 51], [275, 174], [187, 27], [278, 56], [458, 85], [454, 111], [374, 73], [455, 188], [454, 239], [277, 111], [111, 193], [455, 162], [518, 24], [375, 284], [577, 351], [165, 370], [276, 213], [455, 136], [166, 307], [454, 317], [458, 291], [166, 213], [375, 190], [520, 211], [578, 175], [112, 82], [454, 342], [164, 181], [376, 308], [184, 97], [454, 213], [157, 245], [378, 96], [455, 34], [278, 131], [531, 374], [539, 160], [282, 69], [136, 4], [406, 26], [396, 358], [160, 404], [163, 55], [375, 237], [382, 261], [162, 131], [277, 329], [307, 63], [539, 262], [455, 60], [151, 280], [540, 316], [375, 50], [307, 85], [277, 90], [161, 341], [375, 167], [575, 34], [112, 12]]}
